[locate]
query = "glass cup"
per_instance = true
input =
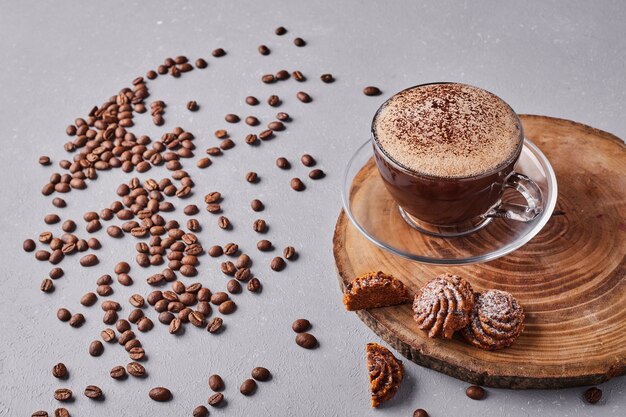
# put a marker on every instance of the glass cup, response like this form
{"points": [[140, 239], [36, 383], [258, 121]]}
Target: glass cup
{"points": [[449, 207]]}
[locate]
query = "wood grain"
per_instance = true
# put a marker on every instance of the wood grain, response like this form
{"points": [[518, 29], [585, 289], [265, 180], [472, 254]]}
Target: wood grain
{"points": [[570, 278]]}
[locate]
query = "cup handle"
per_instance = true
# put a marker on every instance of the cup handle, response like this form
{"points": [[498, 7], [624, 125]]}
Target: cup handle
{"points": [[518, 212]]}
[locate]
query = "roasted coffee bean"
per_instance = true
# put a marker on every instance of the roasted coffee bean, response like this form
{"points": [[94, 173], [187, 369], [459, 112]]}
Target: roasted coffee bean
{"points": [[243, 274], [89, 299], [248, 387], [278, 264], [136, 300], [219, 52], [420, 413], [297, 184], [228, 268], [327, 78], [77, 320], [160, 394], [372, 91], [227, 307], [68, 226], [61, 412], [252, 101], [264, 50], [200, 411], [166, 317], [44, 160], [59, 202], [110, 305], [216, 383], [273, 100], [63, 394], [316, 174], [135, 315], [192, 106], [197, 319], [254, 285], [232, 118], [307, 160], [89, 260], [219, 297], [118, 372], [260, 374], [257, 205], [110, 317], [223, 222], [126, 337], [252, 177], [216, 399], [40, 413], [304, 97], [215, 325], [298, 76], [60, 371], [252, 121], [283, 163], [51, 219], [264, 245], [301, 325], [266, 134], [96, 348], [175, 326], [212, 197], [93, 392], [233, 286], [268, 78], [475, 392], [125, 279], [104, 280], [231, 249], [47, 285], [259, 226], [201, 63], [593, 395], [299, 42], [276, 126], [243, 261], [280, 31], [136, 369], [29, 245], [115, 231], [289, 252], [136, 353], [108, 335], [132, 344], [63, 314], [42, 255], [306, 340]]}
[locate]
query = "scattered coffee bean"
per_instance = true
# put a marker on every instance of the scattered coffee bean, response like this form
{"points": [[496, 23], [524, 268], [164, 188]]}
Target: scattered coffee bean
{"points": [[233, 286], [93, 392], [280, 31], [64, 314], [301, 325], [68, 226], [201, 63], [59, 202], [56, 273], [224, 223], [219, 297], [264, 245], [60, 371], [192, 106], [47, 285], [475, 392], [297, 184], [77, 320], [278, 264], [420, 413], [231, 249], [306, 340], [61, 412], [593, 395], [118, 372], [252, 121], [316, 174], [108, 335], [227, 307], [89, 299], [372, 91], [42, 255], [261, 374], [136, 369], [298, 76], [248, 387], [282, 163], [219, 52], [231, 118], [175, 326], [29, 245], [216, 383], [160, 394], [252, 177], [274, 100], [63, 394], [276, 126], [283, 117], [289, 252], [264, 50], [96, 348], [136, 300], [254, 285], [282, 75], [215, 251], [51, 219], [327, 78], [268, 78], [259, 226], [307, 160], [40, 413], [304, 97], [216, 399], [215, 325], [252, 101], [243, 261], [89, 260], [200, 411], [257, 205], [251, 139], [266, 134], [299, 42]]}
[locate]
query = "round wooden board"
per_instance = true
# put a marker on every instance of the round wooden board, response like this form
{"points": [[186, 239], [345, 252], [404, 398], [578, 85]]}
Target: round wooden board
{"points": [[570, 278]]}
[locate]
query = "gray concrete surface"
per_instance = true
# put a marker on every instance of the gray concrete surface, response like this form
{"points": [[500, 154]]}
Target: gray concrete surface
{"points": [[564, 59]]}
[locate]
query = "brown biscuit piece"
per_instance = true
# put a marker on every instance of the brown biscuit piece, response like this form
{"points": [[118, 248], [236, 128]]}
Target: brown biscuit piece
{"points": [[375, 289], [385, 373]]}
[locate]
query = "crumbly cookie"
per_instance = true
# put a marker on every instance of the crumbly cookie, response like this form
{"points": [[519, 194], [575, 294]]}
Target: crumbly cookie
{"points": [[375, 289], [385, 373]]}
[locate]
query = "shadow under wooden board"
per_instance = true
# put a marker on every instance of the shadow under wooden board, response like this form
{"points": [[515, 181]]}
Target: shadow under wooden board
{"points": [[570, 278]]}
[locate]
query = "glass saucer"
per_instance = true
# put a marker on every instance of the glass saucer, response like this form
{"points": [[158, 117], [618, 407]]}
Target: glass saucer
{"points": [[376, 215]]}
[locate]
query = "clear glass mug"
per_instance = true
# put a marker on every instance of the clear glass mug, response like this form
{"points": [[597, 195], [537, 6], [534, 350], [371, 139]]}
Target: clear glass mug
{"points": [[451, 207]]}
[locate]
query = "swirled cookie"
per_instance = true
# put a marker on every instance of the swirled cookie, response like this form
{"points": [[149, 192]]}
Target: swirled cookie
{"points": [[496, 321], [375, 289], [443, 306], [385, 373]]}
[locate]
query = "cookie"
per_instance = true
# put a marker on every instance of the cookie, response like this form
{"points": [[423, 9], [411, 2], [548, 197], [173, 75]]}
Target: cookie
{"points": [[385, 373], [375, 289]]}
